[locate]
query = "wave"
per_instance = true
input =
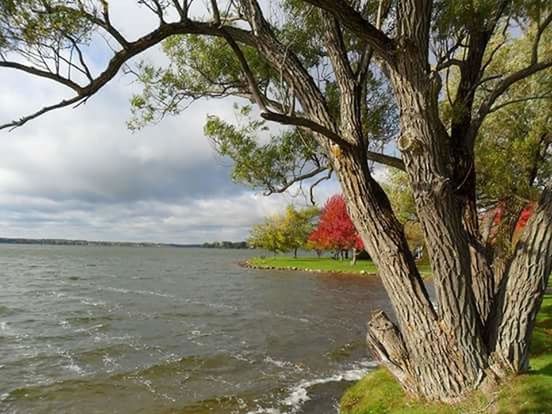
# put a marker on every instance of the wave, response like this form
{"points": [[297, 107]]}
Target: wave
{"points": [[283, 364], [6, 311], [298, 394], [137, 292]]}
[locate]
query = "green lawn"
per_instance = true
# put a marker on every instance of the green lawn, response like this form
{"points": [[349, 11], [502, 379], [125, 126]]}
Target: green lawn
{"points": [[379, 393], [322, 264]]}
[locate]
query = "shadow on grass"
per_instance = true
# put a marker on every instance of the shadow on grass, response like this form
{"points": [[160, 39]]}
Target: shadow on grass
{"points": [[545, 370]]}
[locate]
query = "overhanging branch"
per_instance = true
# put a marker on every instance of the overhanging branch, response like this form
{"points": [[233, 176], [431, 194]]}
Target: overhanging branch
{"points": [[118, 60], [487, 106], [355, 22]]}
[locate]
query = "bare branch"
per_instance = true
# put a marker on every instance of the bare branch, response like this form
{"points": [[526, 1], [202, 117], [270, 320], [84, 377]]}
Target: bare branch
{"points": [[540, 30], [307, 123], [546, 95], [290, 182], [155, 8], [14, 124], [316, 183], [42, 73], [487, 105], [385, 160], [118, 60], [354, 21], [104, 24], [181, 12]]}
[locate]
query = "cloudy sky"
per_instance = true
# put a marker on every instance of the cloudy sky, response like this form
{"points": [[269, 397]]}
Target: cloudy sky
{"points": [[80, 173]]}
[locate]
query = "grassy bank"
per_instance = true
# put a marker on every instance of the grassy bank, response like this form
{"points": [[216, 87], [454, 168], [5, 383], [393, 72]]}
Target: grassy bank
{"points": [[379, 393], [316, 264]]}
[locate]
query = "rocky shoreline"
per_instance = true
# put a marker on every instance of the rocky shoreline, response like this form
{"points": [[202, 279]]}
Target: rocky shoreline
{"points": [[247, 264]]}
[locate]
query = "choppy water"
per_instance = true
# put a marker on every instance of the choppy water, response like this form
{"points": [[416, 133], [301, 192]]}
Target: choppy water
{"points": [[145, 330]]}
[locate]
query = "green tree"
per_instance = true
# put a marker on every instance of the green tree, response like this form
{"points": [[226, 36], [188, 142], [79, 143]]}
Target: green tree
{"points": [[397, 188], [322, 68], [284, 232], [297, 226], [400, 195], [267, 235]]}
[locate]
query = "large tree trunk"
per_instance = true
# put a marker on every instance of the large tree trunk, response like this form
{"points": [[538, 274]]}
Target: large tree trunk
{"points": [[443, 354], [440, 351], [521, 292], [483, 280], [439, 357], [447, 352]]}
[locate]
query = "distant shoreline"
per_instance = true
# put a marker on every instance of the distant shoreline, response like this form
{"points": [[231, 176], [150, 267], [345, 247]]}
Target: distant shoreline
{"points": [[72, 242], [311, 264], [320, 265]]}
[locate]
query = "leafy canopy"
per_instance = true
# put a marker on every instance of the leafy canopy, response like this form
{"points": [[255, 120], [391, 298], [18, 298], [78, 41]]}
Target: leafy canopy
{"points": [[284, 232], [335, 230]]}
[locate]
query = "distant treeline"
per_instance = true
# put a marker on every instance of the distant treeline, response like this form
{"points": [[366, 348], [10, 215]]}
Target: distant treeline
{"points": [[68, 242], [226, 245]]}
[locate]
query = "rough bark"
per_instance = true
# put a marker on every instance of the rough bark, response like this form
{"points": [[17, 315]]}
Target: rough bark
{"points": [[522, 290], [483, 277], [437, 364], [425, 148]]}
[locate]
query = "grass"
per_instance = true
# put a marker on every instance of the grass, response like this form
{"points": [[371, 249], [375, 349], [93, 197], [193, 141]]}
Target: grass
{"points": [[379, 393], [319, 264]]}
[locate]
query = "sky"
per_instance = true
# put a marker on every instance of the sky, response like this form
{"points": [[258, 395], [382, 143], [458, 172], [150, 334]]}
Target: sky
{"points": [[81, 174]]}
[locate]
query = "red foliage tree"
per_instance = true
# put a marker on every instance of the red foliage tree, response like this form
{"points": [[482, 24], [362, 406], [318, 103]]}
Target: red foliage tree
{"points": [[335, 231], [498, 215]]}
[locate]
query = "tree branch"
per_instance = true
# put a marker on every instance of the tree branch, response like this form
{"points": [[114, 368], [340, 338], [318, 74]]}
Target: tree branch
{"points": [[105, 24], [386, 160], [306, 123], [316, 183], [294, 180], [486, 106], [388, 346], [119, 59], [42, 73], [354, 21], [546, 95]]}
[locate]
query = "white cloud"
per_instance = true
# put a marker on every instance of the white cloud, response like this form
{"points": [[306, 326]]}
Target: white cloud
{"points": [[80, 173]]}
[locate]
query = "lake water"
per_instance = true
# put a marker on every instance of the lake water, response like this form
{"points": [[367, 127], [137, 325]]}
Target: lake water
{"points": [[163, 330]]}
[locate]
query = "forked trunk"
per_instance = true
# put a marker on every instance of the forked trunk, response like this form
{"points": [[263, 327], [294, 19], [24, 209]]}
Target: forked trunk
{"points": [[428, 356], [521, 291], [440, 351]]}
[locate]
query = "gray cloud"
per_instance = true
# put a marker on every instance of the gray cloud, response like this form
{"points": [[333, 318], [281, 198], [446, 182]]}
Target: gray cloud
{"points": [[80, 173]]}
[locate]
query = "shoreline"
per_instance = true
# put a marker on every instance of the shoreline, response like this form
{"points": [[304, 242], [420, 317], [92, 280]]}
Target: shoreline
{"points": [[249, 265], [321, 265]]}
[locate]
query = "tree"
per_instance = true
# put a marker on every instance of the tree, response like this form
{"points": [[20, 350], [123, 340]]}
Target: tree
{"points": [[297, 225], [397, 188], [310, 65], [284, 232], [335, 230], [266, 236]]}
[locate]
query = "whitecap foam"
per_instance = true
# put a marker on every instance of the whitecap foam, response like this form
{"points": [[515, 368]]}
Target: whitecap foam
{"points": [[243, 358], [298, 394], [137, 292], [149, 386], [109, 363], [283, 364], [71, 364]]}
